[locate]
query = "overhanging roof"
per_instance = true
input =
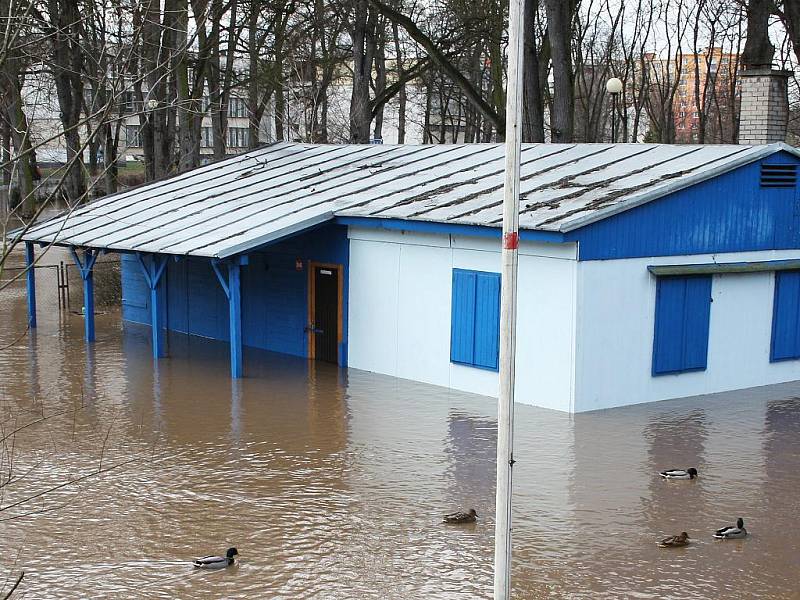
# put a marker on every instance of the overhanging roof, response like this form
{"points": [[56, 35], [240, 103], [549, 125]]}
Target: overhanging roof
{"points": [[252, 199]]}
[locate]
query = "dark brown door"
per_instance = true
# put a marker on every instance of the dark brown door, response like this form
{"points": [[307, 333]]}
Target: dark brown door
{"points": [[326, 314]]}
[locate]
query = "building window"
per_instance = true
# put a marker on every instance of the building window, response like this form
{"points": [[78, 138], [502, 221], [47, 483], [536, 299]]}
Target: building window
{"points": [[786, 317], [127, 102], [206, 137], [475, 319], [238, 137], [237, 108], [683, 309], [133, 138]]}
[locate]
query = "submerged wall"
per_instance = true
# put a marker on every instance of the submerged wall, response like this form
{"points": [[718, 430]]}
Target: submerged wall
{"points": [[400, 311], [616, 316], [274, 293]]}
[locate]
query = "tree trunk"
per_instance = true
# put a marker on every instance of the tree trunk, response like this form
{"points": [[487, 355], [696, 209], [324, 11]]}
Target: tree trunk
{"points": [[380, 80], [401, 109], [363, 51], [25, 163], [253, 92], [533, 115], [791, 20], [67, 70], [559, 27], [188, 106], [214, 78], [758, 51], [280, 105]]}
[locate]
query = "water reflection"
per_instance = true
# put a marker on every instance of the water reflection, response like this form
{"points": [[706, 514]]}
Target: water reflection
{"points": [[470, 447]]}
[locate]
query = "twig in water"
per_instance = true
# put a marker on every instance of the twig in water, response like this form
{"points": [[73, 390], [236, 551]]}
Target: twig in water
{"points": [[14, 587]]}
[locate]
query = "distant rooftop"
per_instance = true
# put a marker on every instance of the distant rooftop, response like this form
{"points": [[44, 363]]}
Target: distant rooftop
{"points": [[251, 199]]}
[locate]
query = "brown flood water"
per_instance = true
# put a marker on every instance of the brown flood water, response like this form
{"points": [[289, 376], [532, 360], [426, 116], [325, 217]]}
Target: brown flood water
{"points": [[332, 483]]}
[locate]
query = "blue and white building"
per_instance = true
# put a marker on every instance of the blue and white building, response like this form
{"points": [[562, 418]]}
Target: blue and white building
{"points": [[646, 272]]}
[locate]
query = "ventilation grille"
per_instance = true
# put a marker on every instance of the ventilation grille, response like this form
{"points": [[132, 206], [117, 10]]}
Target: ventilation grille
{"points": [[778, 176]]}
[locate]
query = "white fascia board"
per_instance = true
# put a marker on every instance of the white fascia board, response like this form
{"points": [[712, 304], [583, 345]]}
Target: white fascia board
{"points": [[273, 236]]}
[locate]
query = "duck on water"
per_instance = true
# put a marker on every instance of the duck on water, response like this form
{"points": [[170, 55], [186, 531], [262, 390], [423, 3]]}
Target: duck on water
{"points": [[459, 517], [731, 532], [689, 473], [674, 541], [216, 562]]}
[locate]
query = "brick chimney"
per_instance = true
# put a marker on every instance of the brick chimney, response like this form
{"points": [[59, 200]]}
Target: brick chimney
{"points": [[764, 114]]}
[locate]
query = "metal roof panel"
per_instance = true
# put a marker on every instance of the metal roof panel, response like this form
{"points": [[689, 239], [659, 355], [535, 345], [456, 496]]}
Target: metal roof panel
{"points": [[251, 199]]}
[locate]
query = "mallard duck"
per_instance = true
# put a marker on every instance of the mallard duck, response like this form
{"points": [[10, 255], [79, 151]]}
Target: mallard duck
{"points": [[689, 473], [732, 533], [674, 541], [217, 562], [461, 517]]}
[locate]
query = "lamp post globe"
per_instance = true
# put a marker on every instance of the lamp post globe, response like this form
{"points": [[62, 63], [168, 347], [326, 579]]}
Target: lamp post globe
{"points": [[614, 85]]}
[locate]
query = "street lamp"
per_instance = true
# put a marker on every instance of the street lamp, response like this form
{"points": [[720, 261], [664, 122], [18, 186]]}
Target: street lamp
{"points": [[614, 87]]}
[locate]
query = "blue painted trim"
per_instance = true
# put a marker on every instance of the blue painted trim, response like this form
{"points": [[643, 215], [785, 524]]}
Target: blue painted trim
{"points": [[475, 319], [30, 282], [756, 266], [145, 270], [153, 275], [235, 312], [450, 229], [785, 340], [86, 269], [681, 324], [220, 277]]}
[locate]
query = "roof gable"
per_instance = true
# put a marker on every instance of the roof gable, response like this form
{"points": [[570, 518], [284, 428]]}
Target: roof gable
{"points": [[730, 212]]}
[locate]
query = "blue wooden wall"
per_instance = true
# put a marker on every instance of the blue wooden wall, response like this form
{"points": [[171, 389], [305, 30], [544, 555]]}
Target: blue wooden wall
{"points": [[135, 293], [274, 293], [728, 213]]}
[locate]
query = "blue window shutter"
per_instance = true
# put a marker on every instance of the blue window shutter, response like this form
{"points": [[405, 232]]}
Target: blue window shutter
{"points": [[487, 321], [785, 319], [696, 316], [683, 308], [462, 326]]}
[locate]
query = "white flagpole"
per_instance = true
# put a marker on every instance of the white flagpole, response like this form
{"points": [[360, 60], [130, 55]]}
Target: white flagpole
{"points": [[508, 305]]}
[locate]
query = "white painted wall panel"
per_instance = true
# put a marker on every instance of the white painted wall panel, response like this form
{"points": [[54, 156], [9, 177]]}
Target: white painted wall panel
{"points": [[372, 316], [406, 279], [545, 332], [423, 314], [616, 312]]}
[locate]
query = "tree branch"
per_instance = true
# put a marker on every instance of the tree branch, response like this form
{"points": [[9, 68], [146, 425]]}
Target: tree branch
{"points": [[440, 59]]}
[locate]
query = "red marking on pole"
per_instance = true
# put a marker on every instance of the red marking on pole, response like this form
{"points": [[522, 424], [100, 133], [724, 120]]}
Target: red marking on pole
{"points": [[511, 241]]}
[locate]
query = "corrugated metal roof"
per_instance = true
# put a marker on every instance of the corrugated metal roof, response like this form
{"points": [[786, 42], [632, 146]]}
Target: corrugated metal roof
{"points": [[251, 199]]}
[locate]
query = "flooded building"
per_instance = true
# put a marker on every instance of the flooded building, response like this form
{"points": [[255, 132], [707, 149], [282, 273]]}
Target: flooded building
{"points": [[646, 271]]}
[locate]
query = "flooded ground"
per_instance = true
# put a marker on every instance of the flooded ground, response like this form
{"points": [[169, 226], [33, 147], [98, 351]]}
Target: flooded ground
{"points": [[332, 483]]}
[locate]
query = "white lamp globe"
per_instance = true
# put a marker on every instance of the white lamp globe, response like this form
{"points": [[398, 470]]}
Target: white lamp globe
{"points": [[152, 104], [614, 85]]}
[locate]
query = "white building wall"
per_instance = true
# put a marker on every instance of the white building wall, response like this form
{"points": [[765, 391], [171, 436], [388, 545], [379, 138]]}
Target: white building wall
{"points": [[616, 314], [399, 312]]}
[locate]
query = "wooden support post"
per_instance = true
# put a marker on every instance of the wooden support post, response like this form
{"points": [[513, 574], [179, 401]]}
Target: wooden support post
{"points": [[235, 310], [153, 271], [87, 274], [30, 280], [232, 286]]}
